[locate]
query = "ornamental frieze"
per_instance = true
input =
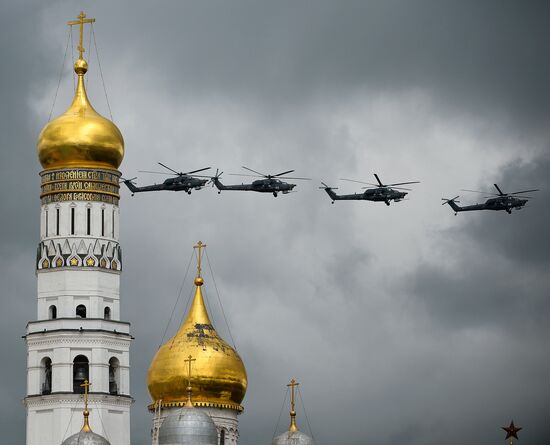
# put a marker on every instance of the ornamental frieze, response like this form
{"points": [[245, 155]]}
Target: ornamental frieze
{"points": [[66, 252]]}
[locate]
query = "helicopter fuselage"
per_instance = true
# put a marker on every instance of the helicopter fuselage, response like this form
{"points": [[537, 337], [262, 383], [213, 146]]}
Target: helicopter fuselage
{"points": [[179, 183], [506, 203], [379, 194], [268, 185]]}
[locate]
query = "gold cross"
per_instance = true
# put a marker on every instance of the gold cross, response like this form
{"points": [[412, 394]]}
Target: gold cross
{"points": [[293, 383], [199, 246], [189, 403], [81, 20], [86, 385]]}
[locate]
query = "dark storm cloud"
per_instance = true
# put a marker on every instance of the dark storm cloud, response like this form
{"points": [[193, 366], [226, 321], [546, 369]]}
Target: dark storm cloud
{"points": [[478, 56], [500, 274], [394, 319]]}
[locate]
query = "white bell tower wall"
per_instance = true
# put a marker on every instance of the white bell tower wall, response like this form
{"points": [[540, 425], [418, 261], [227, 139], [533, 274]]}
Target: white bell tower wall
{"points": [[78, 333]]}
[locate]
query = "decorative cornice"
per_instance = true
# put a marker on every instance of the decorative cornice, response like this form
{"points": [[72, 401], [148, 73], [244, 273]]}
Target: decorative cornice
{"points": [[80, 253], [57, 398], [80, 340], [176, 404]]}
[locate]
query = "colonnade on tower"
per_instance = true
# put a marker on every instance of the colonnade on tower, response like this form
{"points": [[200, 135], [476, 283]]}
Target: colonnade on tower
{"points": [[78, 333]]}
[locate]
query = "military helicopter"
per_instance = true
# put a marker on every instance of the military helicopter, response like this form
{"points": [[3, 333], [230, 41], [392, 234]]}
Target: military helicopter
{"points": [[500, 201], [382, 192], [182, 181], [269, 183]]}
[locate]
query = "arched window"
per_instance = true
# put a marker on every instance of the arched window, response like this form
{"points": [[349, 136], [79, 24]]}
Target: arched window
{"points": [[52, 312], [46, 376], [107, 313], [222, 437], [81, 368], [114, 375], [81, 311]]}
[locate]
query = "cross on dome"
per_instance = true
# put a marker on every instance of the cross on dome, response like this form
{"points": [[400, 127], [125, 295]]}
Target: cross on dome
{"points": [[293, 427], [81, 21], [189, 360], [86, 385]]}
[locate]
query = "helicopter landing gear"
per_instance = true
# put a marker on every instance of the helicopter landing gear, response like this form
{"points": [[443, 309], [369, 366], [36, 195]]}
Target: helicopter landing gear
{"points": [[387, 203], [189, 192], [509, 211], [219, 192], [275, 194]]}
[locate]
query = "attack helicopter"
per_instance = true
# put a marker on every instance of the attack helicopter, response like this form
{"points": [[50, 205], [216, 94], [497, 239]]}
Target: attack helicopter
{"points": [[269, 183], [183, 181], [495, 201], [382, 193]]}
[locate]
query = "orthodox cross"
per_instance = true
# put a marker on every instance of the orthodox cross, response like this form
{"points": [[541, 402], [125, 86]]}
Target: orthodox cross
{"points": [[293, 383], [199, 246], [86, 385], [189, 360], [81, 20]]}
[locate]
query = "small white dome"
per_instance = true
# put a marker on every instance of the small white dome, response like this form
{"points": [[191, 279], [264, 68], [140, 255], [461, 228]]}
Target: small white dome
{"points": [[188, 426], [293, 438], [86, 438]]}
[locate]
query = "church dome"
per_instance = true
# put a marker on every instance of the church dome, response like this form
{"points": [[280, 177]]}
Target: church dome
{"points": [[188, 426], [219, 375], [80, 137], [86, 438], [292, 438]]}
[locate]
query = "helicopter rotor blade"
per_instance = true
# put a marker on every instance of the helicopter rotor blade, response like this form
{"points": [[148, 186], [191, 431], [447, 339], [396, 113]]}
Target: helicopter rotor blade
{"points": [[254, 171], [358, 182], [168, 168], [250, 176], [157, 173], [499, 190], [195, 171], [524, 191], [477, 191], [292, 177], [283, 173], [378, 179], [403, 183]]}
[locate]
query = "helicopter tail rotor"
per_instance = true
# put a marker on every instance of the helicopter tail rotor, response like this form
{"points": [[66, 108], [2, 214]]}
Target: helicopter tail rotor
{"points": [[325, 187], [448, 201], [216, 177], [131, 180]]}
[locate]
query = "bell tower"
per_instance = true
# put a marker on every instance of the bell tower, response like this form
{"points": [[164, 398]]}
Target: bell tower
{"points": [[78, 334]]}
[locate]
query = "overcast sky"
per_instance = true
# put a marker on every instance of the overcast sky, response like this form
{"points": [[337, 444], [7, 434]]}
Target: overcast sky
{"points": [[404, 324]]}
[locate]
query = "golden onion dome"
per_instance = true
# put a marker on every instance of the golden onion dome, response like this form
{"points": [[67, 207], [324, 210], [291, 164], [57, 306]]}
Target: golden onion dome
{"points": [[219, 376], [80, 137]]}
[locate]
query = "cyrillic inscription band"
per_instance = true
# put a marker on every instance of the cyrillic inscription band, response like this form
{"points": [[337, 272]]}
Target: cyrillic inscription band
{"points": [[80, 185]]}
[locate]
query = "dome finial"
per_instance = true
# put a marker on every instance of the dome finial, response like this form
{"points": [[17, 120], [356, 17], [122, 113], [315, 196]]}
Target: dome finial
{"points": [[189, 403], [86, 427], [81, 20], [293, 383], [199, 281]]}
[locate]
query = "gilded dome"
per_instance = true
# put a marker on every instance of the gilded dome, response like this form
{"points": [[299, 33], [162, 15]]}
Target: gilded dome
{"points": [[80, 137], [219, 376]]}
